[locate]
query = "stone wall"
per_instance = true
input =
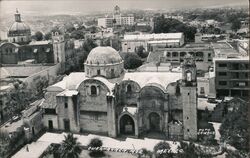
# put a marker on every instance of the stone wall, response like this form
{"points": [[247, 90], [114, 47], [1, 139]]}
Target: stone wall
{"points": [[125, 96], [69, 112], [93, 108], [50, 74], [89, 102], [93, 122], [152, 100]]}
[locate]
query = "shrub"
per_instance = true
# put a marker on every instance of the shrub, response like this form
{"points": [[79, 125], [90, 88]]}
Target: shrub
{"points": [[162, 150], [96, 142]]}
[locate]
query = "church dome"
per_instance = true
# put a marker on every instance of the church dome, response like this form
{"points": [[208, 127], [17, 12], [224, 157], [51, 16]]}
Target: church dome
{"points": [[105, 62], [19, 28], [19, 32], [103, 56]]}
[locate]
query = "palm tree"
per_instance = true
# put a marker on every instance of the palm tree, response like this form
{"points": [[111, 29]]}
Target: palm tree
{"points": [[70, 147]]}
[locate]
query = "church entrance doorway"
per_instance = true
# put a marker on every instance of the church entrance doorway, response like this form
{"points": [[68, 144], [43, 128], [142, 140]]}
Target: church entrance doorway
{"points": [[127, 125], [154, 122], [50, 124], [66, 125]]}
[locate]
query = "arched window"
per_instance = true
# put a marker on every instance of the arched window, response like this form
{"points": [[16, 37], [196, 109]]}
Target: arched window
{"points": [[175, 54], [112, 73], [189, 76], [129, 88], [98, 72], [168, 54], [93, 90]]}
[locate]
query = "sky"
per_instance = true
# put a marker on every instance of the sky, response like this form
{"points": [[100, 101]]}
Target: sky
{"points": [[87, 6]]}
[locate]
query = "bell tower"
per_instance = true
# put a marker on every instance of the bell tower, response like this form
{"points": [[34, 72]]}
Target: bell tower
{"points": [[59, 48], [189, 98], [117, 15]]}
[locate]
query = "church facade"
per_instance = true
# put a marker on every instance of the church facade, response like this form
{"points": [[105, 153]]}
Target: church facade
{"points": [[108, 100]]}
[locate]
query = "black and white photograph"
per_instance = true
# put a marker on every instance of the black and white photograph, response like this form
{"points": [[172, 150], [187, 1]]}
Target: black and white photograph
{"points": [[124, 79]]}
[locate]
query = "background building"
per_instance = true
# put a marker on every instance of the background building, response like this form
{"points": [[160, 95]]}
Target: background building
{"points": [[131, 42], [203, 55], [116, 19], [232, 76]]}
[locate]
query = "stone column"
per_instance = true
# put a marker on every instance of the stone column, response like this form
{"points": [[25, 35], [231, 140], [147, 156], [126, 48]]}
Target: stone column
{"points": [[111, 116]]}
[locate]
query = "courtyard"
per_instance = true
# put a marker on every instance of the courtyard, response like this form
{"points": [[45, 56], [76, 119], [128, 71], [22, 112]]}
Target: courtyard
{"points": [[35, 149]]}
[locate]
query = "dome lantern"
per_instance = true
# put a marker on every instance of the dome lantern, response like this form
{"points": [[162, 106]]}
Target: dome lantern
{"points": [[17, 16]]}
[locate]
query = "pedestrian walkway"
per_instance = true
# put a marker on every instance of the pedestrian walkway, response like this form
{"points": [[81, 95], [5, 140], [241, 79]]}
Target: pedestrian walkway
{"points": [[33, 150]]}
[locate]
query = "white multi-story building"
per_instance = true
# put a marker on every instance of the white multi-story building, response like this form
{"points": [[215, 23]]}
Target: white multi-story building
{"points": [[106, 22], [131, 42], [116, 19]]}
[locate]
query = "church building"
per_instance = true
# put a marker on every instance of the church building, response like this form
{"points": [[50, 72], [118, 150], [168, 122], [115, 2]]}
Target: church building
{"points": [[20, 48], [106, 99]]}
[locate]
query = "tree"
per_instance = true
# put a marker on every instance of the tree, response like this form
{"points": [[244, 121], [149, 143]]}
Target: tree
{"points": [[92, 29], [38, 36], [96, 142], [163, 150], [166, 25], [116, 44], [132, 61], [4, 142], [47, 36], [140, 52], [88, 45], [234, 127], [105, 42], [145, 153], [40, 84], [186, 150], [77, 34], [236, 25], [18, 98], [70, 147]]}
